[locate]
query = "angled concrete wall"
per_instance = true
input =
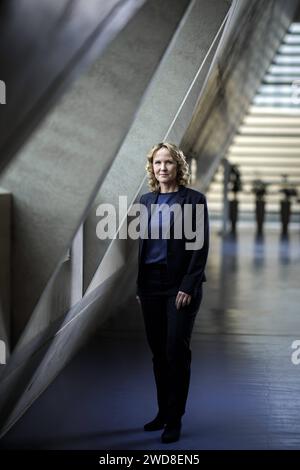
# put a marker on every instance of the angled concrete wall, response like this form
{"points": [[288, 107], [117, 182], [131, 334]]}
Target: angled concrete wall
{"points": [[53, 177], [5, 267], [251, 39], [165, 112], [169, 89], [43, 46]]}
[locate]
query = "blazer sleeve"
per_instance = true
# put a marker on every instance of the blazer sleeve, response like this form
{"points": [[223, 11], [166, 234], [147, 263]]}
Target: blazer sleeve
{"points": [[195, 273]]}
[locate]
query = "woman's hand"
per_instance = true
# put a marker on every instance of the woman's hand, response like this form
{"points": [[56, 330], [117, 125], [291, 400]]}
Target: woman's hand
{"points": [[182, 299], [138, 299]]}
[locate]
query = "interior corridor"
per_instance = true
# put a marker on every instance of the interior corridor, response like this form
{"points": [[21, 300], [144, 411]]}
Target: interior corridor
{"points": [[244, 391]]}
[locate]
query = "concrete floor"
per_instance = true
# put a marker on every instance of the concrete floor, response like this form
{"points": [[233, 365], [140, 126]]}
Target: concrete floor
{"points": [[244, 391]]}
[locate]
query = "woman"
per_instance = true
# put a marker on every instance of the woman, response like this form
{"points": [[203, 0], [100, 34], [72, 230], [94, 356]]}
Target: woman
{"points": [[169, 282]]}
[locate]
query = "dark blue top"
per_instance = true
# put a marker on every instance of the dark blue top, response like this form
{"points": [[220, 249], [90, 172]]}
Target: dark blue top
{"points": [[156, 249]]}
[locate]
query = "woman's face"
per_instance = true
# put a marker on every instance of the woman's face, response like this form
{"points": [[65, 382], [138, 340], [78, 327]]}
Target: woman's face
{"points": [[164, 166]]}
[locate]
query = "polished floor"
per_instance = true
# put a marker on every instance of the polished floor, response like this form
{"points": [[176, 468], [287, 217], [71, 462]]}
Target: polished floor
{"points": [[244, 391]]}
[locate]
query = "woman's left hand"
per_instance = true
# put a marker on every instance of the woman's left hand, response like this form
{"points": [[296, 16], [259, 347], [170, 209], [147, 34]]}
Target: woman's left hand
{"points": [[182, 299]]}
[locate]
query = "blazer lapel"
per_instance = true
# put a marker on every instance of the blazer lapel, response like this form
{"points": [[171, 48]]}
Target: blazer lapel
{"points": [[180, 198], [151, 199]]}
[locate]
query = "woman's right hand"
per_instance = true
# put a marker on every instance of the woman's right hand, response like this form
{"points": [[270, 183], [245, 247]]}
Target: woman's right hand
{"points": [[182, 299], [138, 299]]}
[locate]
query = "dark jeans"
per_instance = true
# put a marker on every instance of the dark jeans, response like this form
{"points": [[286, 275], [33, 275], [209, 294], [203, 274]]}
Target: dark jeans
{"points": [[168, 333]]}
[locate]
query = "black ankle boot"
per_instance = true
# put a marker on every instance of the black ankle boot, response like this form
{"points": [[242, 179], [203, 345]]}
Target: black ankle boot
{"points": [[171, 432], [157, 423]]}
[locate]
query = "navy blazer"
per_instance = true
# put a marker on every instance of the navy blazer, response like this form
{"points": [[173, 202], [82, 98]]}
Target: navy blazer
{"points": [[185, 267]]}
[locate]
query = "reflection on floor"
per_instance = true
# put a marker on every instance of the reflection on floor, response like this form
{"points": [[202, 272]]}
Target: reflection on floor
{"points": [[244, 388]]}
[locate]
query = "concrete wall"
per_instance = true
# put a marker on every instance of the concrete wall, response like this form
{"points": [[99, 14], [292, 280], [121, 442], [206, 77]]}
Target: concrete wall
{"points": [[165, 112], [43, 46], [169, 89], [5, 267], [53, 177], [251, 39]]}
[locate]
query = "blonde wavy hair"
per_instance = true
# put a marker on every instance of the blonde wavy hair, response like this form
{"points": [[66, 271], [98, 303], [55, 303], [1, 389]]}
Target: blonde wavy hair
{"points": [[183, 171]]}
